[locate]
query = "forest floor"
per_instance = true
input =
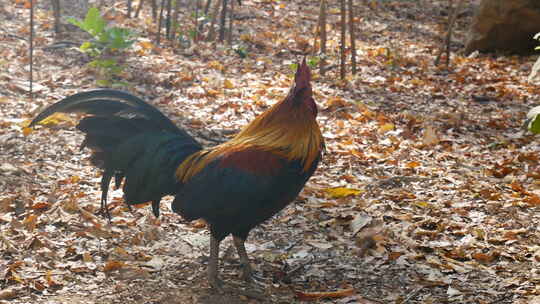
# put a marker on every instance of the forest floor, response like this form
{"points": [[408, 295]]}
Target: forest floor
{"points": [[428, 192]]}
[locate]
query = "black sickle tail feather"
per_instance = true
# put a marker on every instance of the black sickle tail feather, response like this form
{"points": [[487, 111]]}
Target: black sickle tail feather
{"points": [[108, 102], [131, 141]]}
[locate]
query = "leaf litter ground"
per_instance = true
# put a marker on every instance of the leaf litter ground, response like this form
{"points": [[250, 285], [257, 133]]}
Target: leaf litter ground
{"points": [[428, 191]]}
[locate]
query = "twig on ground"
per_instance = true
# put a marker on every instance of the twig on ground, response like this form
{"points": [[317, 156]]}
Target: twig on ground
{"points": [[412, 294]]}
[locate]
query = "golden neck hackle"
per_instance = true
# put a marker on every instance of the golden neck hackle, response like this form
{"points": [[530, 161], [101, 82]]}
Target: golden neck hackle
{"points": [[286, 129]]}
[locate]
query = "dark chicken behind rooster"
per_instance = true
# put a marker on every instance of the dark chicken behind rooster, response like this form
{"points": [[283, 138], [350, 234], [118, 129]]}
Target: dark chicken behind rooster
{"points": [[233, 186]]}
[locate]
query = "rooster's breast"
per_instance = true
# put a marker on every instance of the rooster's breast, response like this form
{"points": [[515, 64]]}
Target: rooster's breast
{"points": [[239, 190]]}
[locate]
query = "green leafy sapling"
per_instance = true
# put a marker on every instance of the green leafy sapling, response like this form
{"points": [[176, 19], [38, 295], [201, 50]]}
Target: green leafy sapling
{"points": [[532, 123], [105, 45], [536, 67]]}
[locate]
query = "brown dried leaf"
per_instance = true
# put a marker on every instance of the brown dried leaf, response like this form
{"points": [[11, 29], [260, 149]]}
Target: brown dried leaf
{"points": [[6, 204], [41, 206], [386, 127], [8, 294], [312, 296], [121, 253], [30, 222], [485, 258], [412, 164], [50, 281], [87, 257], [359, 222], [37, 285], [430, 137], [34, 243], [199, 224], [533, 200], [113, 265]]}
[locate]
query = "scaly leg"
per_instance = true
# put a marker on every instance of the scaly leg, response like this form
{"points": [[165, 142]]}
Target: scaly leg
{"points": [[244, 260], [213, 279], [246, 267]]}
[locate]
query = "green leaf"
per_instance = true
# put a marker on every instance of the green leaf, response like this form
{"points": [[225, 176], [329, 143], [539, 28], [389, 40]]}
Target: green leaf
{"points": [[118, 38], [115, 70], [78, 23], [313, 62], [534, 71], [241, 52], [534, 126], [533, 120], [192, 33], [93, 22], [103, 82], [294, 67], [94, 63], [86, 46], [119, 84], [108, 63], [103, 63]]}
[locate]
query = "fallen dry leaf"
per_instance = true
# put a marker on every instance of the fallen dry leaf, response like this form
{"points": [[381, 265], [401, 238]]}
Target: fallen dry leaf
{"points": [[342, 192], [113, 265], [313, 296], [8, 294]]}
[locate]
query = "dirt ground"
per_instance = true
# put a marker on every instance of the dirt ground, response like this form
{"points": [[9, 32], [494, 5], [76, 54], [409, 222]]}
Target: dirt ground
{"points": [[428, 191]]}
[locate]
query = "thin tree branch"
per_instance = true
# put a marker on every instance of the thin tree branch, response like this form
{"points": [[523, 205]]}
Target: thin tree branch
{"points": [[56, 12], [160, 19], [222, 20], [212, 32], [322, 29], [343, 39], [231, 12], [129, 8], [353, 36], [448, 39], [31, 54]]}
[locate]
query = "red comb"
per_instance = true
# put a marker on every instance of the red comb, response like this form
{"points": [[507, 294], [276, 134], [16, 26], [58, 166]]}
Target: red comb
{"points": [[303, 75]]}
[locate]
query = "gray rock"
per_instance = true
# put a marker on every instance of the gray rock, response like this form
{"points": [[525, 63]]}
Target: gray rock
{"points": [[504, 25]]}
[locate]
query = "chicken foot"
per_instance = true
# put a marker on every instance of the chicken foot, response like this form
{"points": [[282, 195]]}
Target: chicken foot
{"points": [[247, 271], [213, 279]]}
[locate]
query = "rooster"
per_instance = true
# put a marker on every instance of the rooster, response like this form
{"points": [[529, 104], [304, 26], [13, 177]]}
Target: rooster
{"points": [[233, 186]]}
